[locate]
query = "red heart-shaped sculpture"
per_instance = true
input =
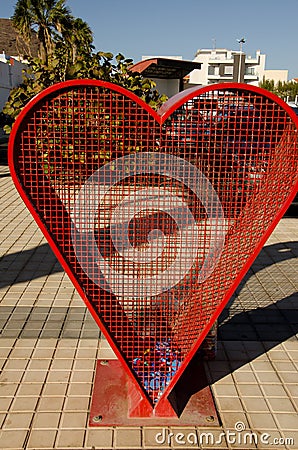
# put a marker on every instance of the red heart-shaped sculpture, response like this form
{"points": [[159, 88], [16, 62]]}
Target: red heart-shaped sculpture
{"points": [[155, 216]]}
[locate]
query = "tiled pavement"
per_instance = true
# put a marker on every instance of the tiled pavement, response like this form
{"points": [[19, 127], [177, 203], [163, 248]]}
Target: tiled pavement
{"points": [[49, 345]]}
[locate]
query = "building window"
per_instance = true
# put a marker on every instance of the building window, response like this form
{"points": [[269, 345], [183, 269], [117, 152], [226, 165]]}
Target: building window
{"points": [[213, 70], [228, 70], [250, 71]]}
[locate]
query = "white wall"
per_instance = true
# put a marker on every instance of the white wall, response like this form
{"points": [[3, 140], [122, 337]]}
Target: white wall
{"points": [[200, 76], [166, 86], [10, 77], [276, 75]]}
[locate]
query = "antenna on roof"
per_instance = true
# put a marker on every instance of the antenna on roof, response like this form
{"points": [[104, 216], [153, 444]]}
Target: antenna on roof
{"points": [[241, 42]]}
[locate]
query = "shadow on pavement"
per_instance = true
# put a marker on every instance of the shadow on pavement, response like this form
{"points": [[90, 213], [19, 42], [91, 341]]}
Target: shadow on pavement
{"points": [[259, 329], [276, 322], [27, 265]]}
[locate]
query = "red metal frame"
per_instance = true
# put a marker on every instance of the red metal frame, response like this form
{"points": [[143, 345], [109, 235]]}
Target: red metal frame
{"points": [[114, 395], [235, 134]]}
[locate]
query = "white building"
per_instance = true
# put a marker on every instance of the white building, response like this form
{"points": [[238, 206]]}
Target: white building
{"points": [[222, 65], [14, 57], [10, 76], [276, 75]]}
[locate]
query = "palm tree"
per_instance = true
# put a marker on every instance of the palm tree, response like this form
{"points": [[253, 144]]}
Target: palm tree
{"points": [[77, 39], [48, 18]]}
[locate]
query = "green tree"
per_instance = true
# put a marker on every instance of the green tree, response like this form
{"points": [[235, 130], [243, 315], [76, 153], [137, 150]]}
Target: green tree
{"points": [[100, 66], [47, 18], [75, 41], [267, 84], [67, 52], [287, 90]]}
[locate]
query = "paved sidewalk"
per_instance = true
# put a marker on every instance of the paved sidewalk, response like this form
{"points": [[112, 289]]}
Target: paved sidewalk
{"points": [[49, 345]]}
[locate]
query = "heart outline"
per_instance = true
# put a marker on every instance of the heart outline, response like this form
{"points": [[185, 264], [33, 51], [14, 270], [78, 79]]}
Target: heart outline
{"points": [[159, 117]]}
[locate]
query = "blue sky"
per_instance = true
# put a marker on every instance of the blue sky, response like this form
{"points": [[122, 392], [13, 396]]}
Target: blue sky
{"points": [[172, 27]]}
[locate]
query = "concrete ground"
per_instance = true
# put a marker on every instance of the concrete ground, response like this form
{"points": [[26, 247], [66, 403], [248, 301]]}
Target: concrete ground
{"points": [[49, 345]]}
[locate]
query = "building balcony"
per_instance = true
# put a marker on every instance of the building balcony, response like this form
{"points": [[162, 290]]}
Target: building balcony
{"points": [[251, 77]]}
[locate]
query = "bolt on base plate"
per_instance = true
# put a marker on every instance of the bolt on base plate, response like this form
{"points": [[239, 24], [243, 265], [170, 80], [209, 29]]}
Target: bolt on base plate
{"points": [[113, 398]]}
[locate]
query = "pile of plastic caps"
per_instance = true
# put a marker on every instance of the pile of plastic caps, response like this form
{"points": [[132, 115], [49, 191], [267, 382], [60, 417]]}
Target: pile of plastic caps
{"points": [[156, 367]]}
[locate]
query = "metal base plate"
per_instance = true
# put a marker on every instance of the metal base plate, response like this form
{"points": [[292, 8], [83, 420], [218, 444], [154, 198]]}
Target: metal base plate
{"points": [[191, 399]]}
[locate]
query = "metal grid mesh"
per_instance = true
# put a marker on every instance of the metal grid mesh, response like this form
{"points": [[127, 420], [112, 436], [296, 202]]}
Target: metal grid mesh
{"points": [[242, 142]]}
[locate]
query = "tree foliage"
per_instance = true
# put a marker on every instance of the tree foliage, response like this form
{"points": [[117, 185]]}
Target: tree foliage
{"points": [[49, 19], [66, 53], [287, 90]]}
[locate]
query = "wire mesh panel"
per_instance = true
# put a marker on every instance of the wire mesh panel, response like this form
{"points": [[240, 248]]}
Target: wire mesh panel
{"points": [[156, 217]]}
